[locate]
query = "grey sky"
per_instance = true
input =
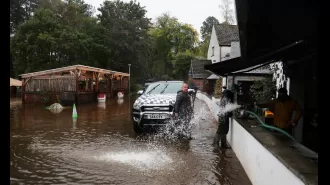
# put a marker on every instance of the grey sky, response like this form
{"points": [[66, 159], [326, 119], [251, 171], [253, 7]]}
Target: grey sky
{"points": [[193, 12]]}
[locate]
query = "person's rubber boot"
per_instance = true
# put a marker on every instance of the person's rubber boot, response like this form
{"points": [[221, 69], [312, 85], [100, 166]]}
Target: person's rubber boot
{"points": [[224, 144], [216, 141]]}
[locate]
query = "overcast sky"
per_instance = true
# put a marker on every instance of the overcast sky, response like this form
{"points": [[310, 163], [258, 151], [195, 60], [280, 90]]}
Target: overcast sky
{"points": [[193, 12]]}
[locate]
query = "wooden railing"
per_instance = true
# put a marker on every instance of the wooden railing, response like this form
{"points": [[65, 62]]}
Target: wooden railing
{"points": [[51, 84]]}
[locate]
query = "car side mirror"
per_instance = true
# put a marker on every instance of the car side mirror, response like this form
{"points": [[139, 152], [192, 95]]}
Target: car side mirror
{"points": [[140, 92]]}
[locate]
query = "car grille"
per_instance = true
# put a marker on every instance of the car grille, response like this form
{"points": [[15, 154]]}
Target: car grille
{"points": [[157, 108], [136, 113]]}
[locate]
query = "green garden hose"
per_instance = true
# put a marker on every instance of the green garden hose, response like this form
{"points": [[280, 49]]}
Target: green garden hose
{"points": [[270, 127]]}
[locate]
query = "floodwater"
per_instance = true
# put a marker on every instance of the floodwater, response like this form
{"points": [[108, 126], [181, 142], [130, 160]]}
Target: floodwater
{"points": [[100, 147]]}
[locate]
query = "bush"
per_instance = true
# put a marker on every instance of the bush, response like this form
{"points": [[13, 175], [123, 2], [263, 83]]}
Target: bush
{"points": [[263, 90], [166, 77], [138, 87], [218, 88]]}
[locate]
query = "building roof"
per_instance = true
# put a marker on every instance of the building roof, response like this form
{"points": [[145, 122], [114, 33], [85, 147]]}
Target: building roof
{"points": [[14, 82], [235, 53], [213, 77], [226, 33], [257, 69], [71, 68], [197, 68]]}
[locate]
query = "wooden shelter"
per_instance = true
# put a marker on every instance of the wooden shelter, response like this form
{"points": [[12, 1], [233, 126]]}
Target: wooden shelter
{"points": [[73, 84], [13, 86], [14, 82]]}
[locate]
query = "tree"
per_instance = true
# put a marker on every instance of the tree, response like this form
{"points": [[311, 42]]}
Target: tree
{"points": [[126, 35], [64, 33], [206, 29], [227, 12], [173, 41], [20, 11], [182, 65], [203, 48], [57, 35]]}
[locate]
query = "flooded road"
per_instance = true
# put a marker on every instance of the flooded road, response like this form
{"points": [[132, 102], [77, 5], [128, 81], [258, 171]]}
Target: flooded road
{"points": [[100, 147]]}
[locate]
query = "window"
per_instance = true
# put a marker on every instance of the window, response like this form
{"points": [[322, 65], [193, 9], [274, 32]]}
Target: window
{"points": [[212, 51], [164, 88]]}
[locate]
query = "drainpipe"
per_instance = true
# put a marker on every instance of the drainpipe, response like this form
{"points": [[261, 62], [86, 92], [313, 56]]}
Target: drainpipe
{"points": [[220, 54], [288, 85]]}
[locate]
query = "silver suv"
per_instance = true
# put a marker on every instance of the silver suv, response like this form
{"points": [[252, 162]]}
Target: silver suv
{"points": [[155, 105]]}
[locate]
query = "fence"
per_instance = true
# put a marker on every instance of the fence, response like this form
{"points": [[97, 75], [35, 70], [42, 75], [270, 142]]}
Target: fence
{"points": [[51, 84]]}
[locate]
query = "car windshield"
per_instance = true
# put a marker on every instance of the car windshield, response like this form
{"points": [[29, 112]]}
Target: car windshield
{"points": [[164, 88]]}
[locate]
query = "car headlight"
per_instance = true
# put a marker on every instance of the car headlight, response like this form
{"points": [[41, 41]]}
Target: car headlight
{"points": [[136, 106]]}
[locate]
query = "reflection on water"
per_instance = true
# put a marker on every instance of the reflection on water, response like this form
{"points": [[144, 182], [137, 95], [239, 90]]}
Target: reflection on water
{"points": [[100, 147], [143, 160]]}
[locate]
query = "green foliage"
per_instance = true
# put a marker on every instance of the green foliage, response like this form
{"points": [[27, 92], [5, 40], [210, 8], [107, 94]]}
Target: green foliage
{"points": [[181, 65], [64, 32], [139, 87], [218, 88], [263, 90], [206, 29], [174, 44], [203, 48]]}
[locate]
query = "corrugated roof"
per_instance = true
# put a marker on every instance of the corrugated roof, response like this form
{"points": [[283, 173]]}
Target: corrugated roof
{"points": [[68, 68], [14, 82], [197, 68], [257, 69], [226, 33], [235, 52]]}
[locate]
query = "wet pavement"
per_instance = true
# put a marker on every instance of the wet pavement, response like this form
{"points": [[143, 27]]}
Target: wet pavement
{"points": [[100, 147]]}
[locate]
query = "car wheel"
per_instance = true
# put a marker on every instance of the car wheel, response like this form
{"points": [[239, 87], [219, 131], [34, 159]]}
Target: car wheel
{"points": [[137, 129]]}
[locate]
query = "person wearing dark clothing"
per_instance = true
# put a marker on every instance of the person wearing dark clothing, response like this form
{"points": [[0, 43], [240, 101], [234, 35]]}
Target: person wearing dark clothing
{"points": [[193, 94], [223, 121], [182, 108], [283, 108]]}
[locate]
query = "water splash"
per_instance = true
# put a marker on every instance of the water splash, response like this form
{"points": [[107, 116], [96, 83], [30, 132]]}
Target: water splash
{"points": [[228, 108], [142, 160], [174, 130]]}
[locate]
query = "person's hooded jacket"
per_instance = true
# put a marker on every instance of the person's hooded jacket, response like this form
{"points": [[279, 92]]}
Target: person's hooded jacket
{"points": [[183, 103]]}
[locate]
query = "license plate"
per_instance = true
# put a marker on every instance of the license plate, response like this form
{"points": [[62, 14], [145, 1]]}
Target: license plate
{"points": [[156, 116]]}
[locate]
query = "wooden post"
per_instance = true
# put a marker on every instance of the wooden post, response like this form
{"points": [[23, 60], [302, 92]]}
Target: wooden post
{"points": [[77, 87], [97, 82], [77, 83], [121, 82], [23, 90], [111, 85]]}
